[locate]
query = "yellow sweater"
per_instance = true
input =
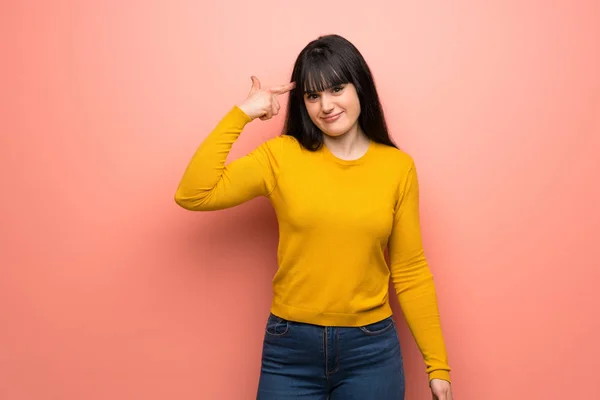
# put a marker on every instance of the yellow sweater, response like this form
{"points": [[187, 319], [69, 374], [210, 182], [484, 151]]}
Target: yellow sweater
{"points": [[336, 218]]}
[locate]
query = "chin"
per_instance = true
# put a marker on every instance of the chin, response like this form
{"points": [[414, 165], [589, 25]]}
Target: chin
{"points": [[335, 131]]}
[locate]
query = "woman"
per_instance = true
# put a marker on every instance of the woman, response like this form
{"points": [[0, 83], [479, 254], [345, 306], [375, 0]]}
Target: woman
{"points": [[342, 193]]}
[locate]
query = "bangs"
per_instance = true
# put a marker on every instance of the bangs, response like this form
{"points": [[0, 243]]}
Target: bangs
{"points": [[322, 71]]}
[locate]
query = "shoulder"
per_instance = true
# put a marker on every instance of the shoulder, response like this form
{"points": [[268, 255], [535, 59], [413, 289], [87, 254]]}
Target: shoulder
{"points": [[396, 159], [282, 144], [278, 150], [399, 167]]}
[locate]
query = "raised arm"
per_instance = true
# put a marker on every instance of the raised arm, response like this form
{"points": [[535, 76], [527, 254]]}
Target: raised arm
{"points": [[413, 280], [209, 184]]}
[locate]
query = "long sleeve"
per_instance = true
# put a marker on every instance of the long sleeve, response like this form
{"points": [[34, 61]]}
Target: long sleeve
{"points": [[209, 184], [413, 280]]}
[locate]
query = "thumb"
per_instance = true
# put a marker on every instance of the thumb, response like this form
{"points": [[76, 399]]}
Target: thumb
{"points": [[255, 84]]}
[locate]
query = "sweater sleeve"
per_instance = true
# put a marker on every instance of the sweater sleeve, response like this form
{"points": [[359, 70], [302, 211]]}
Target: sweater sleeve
{"points": [[413, 280], [209, 184]]}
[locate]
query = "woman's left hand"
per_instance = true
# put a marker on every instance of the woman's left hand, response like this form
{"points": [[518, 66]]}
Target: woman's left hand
{"points": [[440, 389]]}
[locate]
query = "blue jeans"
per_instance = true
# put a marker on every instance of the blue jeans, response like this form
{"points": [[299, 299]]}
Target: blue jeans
{"points": [[303, 361]]}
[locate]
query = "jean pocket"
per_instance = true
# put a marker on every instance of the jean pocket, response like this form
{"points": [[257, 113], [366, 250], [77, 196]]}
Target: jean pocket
{"points": [[277, 326], [379, 327]]}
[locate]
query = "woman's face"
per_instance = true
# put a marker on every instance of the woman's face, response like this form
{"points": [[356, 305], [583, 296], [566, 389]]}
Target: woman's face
{"points": [[335, 111]]}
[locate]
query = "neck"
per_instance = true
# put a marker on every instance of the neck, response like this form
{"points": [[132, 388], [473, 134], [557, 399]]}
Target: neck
{"points": [[351, 145]]}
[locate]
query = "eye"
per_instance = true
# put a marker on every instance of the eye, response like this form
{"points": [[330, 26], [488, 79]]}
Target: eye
{"points": [[338, 89], [311, 96]]}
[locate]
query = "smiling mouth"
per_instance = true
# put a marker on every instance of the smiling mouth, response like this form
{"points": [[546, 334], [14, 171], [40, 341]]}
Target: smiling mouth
{"points": [[332, 117]]}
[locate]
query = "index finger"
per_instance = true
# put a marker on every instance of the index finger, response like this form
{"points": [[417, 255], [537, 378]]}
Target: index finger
{"points": [[283, 88]]}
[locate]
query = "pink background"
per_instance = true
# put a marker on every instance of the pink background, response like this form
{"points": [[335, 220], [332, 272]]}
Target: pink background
{"points": [[109, 291]]}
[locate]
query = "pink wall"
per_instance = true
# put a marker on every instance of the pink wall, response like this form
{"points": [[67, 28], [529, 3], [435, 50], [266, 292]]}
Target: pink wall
{"points": [[109, 291]]}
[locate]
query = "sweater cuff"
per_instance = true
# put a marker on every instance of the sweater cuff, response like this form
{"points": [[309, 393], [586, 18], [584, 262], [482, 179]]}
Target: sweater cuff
{"points": [[439, 374], [239, 115]]}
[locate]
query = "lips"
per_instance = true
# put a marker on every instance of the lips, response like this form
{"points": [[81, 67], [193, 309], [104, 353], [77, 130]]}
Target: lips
{"points": [[332, 118]]}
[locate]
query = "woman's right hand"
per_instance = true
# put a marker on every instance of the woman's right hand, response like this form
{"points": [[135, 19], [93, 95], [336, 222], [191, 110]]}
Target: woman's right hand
{"points": [[262, 103]]}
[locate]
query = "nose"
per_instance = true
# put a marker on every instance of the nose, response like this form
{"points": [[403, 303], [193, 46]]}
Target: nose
{"points": [[326, 104]]}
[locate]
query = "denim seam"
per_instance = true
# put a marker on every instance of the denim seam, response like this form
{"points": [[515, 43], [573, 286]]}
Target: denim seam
{"points": [[279, 322], [382, 330], [337, 352]]}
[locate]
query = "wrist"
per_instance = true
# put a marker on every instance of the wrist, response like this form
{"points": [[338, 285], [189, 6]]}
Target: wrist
{"points": [[244, 108]]}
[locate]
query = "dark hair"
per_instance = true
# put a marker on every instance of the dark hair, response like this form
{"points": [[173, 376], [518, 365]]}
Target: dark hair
{"points": [[326, 62]]}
